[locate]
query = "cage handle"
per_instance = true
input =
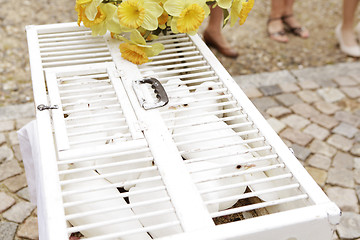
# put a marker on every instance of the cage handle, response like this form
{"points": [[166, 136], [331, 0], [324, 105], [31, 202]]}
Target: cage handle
{"points": [[159, 91]]}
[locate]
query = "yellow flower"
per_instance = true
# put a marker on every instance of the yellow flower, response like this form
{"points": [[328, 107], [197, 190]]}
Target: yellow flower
{"points": [[245, 10], [240, 9], [136, 50], [136, 13], [187, 14], [224, 3], [133, 53], [80, 6]]}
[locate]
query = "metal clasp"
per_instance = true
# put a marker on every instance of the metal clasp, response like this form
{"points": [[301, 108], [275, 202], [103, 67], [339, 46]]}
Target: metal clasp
{"points": [[43, 107]]}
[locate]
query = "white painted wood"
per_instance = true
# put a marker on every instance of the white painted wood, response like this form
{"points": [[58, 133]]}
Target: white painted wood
{"points": [[53, 224], [61, 135]]}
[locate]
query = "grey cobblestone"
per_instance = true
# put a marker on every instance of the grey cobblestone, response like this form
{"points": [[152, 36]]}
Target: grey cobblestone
{"points": [[7, 230], [288, 99], [19, 212], [351, 92], [9, 169], [325, 121], [345, 198], [295, 121], [5, 153], [6, 201], [340, 142], [331, 94], [346, 130], [343, 160], [345, 80], [277, 125], [316, 131], [2, 139], [300, 152], [320, 161], [289, 87], [296, 136], [278, 111], [305, 110], [321, 147], [29, 229], [349, 227], [270, 90], [356, 149], [16, 183], [309, 96], [347, 117], [309, 84], [341, 177], [326, 107], [7, 126]]}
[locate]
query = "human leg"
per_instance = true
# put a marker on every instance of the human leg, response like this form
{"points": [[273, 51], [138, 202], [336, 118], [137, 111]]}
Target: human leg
{"points": [[275, 26], [213, 35], [291, 22]]}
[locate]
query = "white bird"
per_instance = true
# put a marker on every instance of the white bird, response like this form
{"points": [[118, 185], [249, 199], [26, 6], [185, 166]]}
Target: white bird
{"points": [[176, 91], [118, 170], [207, 137], [154, 207], [110, 207], [208, 102]]}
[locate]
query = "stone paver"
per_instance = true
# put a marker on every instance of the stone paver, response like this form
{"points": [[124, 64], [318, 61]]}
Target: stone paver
{"points": [[340, 142], [345, 130], [295, 121], [347, 117], [316, 131], [326, 107], [29, 229], [6, 201], [345, 198], [349, 227], [304, 109], [320, 161], [331, 94], [324, 120], [296, 136], [7, 230], [341, 177], [321, 147], [19, 212], [309, 96], [9, 169]]}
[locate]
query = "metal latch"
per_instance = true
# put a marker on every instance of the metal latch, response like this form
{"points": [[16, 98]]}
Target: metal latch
{"points": [[43, 107], [158, 90]]}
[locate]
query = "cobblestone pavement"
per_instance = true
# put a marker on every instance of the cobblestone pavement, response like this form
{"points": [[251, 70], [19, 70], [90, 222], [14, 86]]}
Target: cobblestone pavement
{"points": [[316, 111]]}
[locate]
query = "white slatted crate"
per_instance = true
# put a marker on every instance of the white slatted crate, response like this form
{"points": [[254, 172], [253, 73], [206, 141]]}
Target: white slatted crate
{"points": [[205, 166]]}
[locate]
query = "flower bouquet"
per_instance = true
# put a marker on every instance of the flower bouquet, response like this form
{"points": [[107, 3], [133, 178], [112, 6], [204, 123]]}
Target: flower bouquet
{"points": [[136, 22]]}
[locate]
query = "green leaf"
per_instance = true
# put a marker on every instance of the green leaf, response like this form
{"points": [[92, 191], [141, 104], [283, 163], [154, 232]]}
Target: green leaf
{"points": [[226, 15]]}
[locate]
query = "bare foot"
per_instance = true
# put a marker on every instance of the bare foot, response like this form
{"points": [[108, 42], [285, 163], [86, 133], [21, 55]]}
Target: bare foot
{"points": [[276, 31], [294, 26]]}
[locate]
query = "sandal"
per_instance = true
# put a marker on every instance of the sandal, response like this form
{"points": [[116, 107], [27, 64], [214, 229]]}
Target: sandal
{"points": [[296, 30], [279, 36]]}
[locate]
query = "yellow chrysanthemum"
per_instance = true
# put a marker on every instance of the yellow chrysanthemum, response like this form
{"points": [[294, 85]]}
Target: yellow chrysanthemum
{"points": [[187, 14], [133, 53], [136, 13]]}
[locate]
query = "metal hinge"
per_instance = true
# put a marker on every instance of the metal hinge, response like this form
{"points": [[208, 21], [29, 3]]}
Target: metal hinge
{"points": [[43, 107]]}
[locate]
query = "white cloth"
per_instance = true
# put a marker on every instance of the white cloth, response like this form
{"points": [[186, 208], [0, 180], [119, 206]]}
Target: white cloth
{"points": [[29, 147], [30, 151]]}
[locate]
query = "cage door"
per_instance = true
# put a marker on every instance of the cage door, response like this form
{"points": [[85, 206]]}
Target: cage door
{"points": [[90, 106]]}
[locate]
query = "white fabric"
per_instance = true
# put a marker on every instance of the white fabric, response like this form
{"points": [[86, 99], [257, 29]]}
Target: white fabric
{"points": [[29, 147]]}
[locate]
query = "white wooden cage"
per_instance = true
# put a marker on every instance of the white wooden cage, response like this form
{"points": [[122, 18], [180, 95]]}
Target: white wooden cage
{"points": [[205, 166]]}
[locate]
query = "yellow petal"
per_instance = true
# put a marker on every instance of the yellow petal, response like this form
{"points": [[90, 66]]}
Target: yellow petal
{"points": [[133, 53], [131, 13], [224, 3], [174, 7], [153, 11], [91, 9], [190, 18], [136, 37], [154, 49]]}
